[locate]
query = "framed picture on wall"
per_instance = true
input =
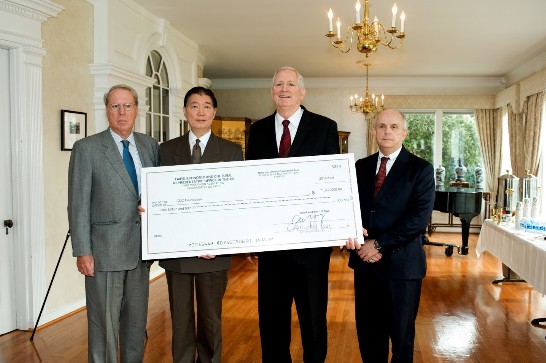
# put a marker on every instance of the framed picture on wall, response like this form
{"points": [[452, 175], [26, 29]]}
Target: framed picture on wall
{"points": [[73, 128]]}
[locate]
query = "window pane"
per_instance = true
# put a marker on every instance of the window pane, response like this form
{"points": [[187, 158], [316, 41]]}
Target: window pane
{"points": [[155, 100], [165, 131], [460, 145], [148, 90], [164, 76], [156, 59], [165, 101], [505, 154], [420, 139], [148, 124], [149, 71], [156, 126]]}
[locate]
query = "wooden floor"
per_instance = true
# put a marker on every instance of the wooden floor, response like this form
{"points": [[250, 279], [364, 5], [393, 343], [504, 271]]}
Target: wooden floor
{"points": [[462, 318]]}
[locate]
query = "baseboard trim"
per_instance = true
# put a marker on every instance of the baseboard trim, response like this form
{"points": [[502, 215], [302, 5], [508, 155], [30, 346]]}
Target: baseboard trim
{"points": [[66, 312]]}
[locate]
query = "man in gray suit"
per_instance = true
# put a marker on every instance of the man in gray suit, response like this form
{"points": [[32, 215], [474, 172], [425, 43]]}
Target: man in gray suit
{"points": [[103, 198], [206, 276]]}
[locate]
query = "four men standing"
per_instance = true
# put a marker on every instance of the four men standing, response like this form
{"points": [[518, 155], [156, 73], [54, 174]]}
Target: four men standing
{"points": [[396, 192]]}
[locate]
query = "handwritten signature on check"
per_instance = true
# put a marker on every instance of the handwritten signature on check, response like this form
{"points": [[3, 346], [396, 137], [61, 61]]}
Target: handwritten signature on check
{"points": [[313, 222]]}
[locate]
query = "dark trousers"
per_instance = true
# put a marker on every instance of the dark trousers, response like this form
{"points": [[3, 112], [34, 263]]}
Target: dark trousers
{"points": [[385, 308], [206, 339], [280, 282]]}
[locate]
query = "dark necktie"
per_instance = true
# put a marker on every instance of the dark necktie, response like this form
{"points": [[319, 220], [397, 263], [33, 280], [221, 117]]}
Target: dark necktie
{"points": [[284, 147], [381, 175], [196, 153], [129, 164]]}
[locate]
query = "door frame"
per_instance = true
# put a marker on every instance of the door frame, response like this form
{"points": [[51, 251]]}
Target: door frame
{"points": [[8, 306], [24, 41]]}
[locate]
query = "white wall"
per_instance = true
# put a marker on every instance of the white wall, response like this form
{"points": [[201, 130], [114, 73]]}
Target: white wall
{"points": [[90, 47], [253, 100]]}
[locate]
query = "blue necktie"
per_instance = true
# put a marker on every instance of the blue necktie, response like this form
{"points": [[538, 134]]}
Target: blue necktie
{"points": [[129, 163]]}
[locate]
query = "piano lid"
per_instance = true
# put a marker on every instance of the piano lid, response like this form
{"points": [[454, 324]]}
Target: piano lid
{"points": [[458, 200], [457, 190]]}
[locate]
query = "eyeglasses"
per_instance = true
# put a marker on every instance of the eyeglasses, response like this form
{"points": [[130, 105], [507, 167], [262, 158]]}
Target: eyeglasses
{"points": [[126, 106]]}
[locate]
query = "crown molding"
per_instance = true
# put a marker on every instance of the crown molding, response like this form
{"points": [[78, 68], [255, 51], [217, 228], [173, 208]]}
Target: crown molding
{"points": [[39, 10], [526, 70]]}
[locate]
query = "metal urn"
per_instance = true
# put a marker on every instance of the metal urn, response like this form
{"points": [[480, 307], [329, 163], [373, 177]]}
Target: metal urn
{"points": [[507, 194]]}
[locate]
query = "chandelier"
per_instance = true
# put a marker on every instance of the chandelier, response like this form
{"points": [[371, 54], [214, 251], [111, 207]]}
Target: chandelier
{"points": [[368, 106], [369, 35]]}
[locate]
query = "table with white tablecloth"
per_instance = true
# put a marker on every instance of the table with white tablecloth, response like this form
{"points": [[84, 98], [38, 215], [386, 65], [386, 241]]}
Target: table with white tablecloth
{"points": [[522, 251]]}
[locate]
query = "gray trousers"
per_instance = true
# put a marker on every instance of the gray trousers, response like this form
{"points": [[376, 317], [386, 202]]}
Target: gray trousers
{"points": [[117, 306]]}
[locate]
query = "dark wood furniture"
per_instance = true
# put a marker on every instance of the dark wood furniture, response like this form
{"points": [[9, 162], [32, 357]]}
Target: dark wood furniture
{"points": [[343, 142]]}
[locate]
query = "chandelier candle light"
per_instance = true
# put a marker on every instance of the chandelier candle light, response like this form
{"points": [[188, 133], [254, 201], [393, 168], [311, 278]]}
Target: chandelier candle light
{"points": [[367, 106], [369, 35]]}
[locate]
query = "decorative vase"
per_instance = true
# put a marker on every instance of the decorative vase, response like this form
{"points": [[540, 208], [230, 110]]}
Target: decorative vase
{"points": [[440, 176], [478, 177], [460, 172]]}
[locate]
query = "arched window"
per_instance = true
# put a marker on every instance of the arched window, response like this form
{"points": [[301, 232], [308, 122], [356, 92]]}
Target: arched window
{"points": [[157, 98]]}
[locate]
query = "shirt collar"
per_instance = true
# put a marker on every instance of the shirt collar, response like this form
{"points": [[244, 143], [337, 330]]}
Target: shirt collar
{"points": [[392, 156], [203, 139], [294, 119], [118, 138]]}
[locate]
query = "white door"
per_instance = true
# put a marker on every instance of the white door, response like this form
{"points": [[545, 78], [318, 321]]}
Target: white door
{"points": [[7, 292]]}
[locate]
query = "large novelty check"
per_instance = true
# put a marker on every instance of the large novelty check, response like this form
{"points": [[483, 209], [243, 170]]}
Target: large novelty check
{"points": [[249, 206]]}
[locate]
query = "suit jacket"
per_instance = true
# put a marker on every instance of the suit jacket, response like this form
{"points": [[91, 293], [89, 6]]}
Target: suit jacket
{"points": [[103, 203], [177, 152], [398, 215], [316, 135]]}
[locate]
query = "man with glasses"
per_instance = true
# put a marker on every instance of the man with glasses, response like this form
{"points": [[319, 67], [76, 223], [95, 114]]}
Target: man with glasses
{"points": [[103, 198]]}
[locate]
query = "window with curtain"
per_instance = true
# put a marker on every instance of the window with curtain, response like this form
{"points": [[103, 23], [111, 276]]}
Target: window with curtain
{"points": [[458, 141], [157, 98], [542, 170], [505, 154]]}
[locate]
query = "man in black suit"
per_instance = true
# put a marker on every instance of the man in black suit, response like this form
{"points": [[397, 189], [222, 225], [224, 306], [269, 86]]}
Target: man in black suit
{"points": [[295, 275], [396, 200]]}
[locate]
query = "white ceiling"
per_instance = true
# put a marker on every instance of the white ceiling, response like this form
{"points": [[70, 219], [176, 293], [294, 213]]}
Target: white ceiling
{"points": [[445, 38]]}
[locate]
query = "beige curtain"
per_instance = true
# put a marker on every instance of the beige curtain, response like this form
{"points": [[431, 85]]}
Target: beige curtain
{"points": [[532, 109], [489, 125], [516, 138], [371, 143]]}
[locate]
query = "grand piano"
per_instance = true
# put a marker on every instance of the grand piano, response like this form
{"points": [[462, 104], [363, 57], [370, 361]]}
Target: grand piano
{"points": [[465, 203]]}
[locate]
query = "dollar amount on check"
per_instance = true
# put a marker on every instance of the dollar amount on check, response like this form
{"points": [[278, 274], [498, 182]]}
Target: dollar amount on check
{"points": [[249, 206]]}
